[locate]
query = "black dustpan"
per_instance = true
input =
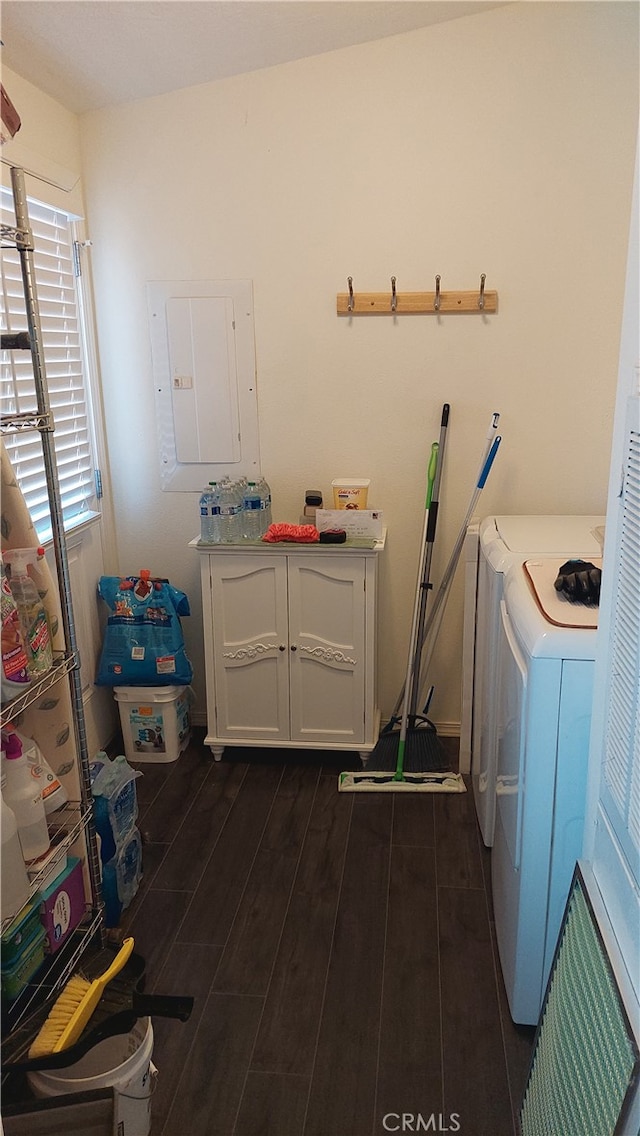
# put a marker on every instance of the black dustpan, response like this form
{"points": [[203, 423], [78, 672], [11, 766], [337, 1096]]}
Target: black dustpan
{"points": [[117, 1012], [424, 752]]}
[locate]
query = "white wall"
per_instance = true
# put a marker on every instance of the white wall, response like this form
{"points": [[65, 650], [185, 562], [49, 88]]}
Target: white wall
{"points": [[500, 143], [47, 143]]}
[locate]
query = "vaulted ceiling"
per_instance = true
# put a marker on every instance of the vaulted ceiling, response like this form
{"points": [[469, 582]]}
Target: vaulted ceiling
{"points": [[92, 53]]}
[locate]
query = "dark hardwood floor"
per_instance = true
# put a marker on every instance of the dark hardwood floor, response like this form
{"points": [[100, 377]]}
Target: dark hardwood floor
{"points": [[339, 947]]}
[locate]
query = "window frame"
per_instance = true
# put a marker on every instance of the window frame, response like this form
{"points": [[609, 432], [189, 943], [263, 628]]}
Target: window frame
{"points": [[84, 388]]}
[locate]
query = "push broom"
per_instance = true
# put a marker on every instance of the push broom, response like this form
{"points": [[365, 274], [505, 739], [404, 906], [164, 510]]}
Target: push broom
{"points": [[432, 779], [430, 628], [416, 744]]}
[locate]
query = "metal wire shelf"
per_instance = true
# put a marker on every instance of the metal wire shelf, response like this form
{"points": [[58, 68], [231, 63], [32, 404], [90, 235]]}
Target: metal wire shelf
{"points": [[62, 665], [23, 423]]}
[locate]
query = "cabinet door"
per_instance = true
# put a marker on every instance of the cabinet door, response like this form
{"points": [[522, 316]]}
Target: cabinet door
{"points": [[250, 656], [327, 648]]}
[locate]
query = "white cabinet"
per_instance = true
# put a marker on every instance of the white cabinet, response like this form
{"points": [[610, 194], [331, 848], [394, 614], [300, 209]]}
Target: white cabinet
{"points": [[290, 646]]}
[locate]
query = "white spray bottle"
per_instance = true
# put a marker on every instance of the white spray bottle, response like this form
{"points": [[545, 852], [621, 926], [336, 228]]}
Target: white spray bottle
{"points": [[33, 617]]}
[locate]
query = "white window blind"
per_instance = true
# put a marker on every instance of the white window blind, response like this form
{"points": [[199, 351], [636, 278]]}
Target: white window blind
{"points": [[65, 373]]}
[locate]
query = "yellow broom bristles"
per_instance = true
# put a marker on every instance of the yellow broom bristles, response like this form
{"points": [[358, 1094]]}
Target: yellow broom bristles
{"points": [[59, 1016]]}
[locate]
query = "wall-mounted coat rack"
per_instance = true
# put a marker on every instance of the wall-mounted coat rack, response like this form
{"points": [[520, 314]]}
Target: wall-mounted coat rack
{"points": [[393, 302]]}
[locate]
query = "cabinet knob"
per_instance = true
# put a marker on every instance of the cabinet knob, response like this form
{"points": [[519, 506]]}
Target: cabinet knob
{"points": [[282, 647], [293, 647]]}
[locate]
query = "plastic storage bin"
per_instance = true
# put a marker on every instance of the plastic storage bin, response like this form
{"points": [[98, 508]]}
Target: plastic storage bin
{"points": [[62, 905], [155, 720], [123, 1062]]}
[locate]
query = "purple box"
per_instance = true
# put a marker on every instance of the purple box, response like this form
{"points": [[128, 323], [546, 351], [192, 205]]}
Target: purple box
{"points": [[62, 905]]}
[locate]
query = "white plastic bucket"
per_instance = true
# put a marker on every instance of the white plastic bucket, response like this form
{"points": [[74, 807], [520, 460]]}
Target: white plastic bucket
{"points": [[155, 721], [122, 1062]]}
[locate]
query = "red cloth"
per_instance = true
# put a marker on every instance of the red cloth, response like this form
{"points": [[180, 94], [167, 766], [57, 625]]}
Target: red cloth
{"points": [[300, 534]]}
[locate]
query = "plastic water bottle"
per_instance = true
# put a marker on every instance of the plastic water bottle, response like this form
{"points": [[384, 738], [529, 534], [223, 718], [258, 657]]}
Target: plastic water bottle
{"points": [[252, 512], [206, 536], [265, 498], [230, 504], [210, 515]]}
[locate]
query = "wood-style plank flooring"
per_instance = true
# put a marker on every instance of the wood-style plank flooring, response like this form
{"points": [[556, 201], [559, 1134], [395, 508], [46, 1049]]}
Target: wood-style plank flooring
{"points": [[339, 946]]}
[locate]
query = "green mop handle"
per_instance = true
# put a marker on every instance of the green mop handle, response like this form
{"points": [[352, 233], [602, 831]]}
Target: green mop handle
{"points": [[431, 472]]}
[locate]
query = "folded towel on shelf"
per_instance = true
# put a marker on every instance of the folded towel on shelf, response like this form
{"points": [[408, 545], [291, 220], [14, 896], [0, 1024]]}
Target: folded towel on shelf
{"points": [[299, 534]]}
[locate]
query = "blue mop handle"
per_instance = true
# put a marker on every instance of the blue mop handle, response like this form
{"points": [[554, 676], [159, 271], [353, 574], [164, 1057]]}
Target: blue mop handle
{"points": [[437, 608], [486, 469]]}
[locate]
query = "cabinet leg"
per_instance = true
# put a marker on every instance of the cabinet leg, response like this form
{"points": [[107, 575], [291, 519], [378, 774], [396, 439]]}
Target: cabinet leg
{"points": [[217, 752], [364, 757]]}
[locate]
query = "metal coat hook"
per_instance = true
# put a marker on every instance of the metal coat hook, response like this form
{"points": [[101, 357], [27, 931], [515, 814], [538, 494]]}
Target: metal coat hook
{"points": [[350, 305], [483, 277], [436, 302], [394, 298]]}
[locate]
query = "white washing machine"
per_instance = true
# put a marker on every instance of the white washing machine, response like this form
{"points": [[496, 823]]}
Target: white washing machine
{"points": [[545, 679], [503, 541]]}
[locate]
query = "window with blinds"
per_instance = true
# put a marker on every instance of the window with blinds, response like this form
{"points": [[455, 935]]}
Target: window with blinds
{"points": [[60, 317]]}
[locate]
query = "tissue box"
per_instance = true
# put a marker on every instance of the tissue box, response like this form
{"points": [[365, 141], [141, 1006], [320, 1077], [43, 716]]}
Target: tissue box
{"points": [[62, 905], [29, 960], [21, 931]]}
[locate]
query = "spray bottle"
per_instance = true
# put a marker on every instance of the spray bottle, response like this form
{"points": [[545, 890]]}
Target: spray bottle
{"points": [[15, 678], [33, 617]]}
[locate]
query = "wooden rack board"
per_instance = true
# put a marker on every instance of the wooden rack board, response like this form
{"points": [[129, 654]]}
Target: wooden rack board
{"points": [[415, 303]]}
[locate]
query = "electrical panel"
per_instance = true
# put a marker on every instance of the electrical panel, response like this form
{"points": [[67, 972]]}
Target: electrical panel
{"points": [[203, 355]]}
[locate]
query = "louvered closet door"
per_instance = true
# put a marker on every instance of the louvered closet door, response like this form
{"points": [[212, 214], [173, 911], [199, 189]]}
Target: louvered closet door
{"points": [[616, 857]]}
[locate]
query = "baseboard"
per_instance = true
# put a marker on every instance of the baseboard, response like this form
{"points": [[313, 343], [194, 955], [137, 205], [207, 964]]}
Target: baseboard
{"points": [[445, 729]]}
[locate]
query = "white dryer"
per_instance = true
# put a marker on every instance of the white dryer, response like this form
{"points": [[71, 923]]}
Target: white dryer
{"points": [[545, 679], [502, 542]]}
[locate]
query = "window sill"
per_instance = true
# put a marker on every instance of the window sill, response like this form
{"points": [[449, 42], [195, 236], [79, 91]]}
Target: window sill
{"points": [[73, 530]]}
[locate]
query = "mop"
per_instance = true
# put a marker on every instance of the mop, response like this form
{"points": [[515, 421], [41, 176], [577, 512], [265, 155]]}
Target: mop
{"points": [[422, 769], [411, 758]]}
